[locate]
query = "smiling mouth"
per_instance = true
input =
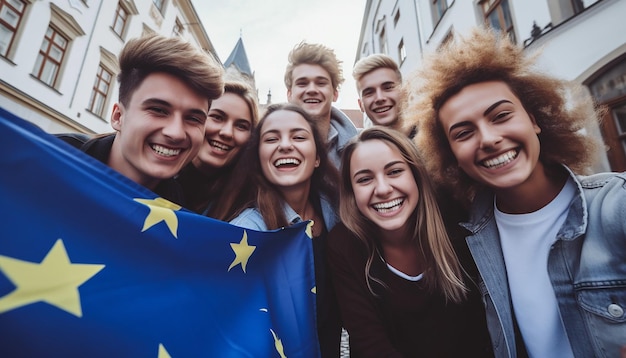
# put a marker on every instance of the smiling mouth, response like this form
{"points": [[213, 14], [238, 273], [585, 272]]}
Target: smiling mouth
{"points": [[220, 146], [501, 160], [163, 151], [382, 109], [389, 206], [287, 162], [312, 101]]}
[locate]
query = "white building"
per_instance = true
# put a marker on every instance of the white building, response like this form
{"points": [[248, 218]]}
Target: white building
{"points": [[581, 40], [58, 58]]}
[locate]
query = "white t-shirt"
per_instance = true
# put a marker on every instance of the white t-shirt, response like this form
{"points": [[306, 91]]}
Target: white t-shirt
{"points": [[526, 240]]}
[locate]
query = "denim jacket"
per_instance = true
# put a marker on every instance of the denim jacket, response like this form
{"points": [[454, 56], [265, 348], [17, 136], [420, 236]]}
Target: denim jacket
{"points": [[251, 218], [586, 265]]}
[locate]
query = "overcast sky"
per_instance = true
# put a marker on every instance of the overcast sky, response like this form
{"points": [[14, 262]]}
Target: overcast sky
{"points": [[271, 28]]}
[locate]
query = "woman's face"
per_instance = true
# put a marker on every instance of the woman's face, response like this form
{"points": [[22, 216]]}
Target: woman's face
{"points": [[287, 151], [384, 187], [226, 132]]}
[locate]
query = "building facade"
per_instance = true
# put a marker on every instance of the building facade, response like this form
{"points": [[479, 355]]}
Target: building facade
{"points": [[58, 58], [580, 40]]}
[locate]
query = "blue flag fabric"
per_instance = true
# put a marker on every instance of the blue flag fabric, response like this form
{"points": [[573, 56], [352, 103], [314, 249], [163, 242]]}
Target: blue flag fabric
{"points": [[94, 265]]}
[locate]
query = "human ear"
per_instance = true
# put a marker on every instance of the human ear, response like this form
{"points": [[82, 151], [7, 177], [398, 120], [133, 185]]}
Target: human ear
{"points": [[116, 116]]}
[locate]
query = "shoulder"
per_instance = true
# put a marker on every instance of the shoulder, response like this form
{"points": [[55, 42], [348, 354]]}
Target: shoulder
{"points": [[76, 140], [603, 179], [250, 218]]}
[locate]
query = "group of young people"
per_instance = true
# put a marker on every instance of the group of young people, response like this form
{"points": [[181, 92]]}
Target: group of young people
{"points": [[459, 224]]}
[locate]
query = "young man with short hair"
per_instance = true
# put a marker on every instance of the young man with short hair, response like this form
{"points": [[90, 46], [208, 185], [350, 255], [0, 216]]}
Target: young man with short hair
{"points": [[166, 88], [313, 77]]}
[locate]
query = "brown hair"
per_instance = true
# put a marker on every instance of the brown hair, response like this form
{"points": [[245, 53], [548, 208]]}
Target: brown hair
{"points": [[561, 108], [444, 273], [155, 53], [314, 54], [252, 189]]}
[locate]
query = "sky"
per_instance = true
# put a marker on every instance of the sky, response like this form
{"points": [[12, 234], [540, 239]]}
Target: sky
{"points": [[271, 28]]}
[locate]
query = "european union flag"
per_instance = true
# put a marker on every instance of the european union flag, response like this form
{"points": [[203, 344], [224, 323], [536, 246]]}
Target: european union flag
{"points": [[94, 265]]}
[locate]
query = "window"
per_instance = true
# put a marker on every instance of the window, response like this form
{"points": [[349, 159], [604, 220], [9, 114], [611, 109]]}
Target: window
{"points": [[160, 5], [401, 51], [178, 28], [438, 8], [50, 57], [382, 41], [120, 20], [100, 91], [11, 13], [396, 18], [498, 15]]}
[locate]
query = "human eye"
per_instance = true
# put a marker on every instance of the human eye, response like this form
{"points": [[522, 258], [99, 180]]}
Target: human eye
{"points": [[461, 134], [243, 126], [270, 139], [156, 110], [216, 117], [389, 86], [396, 171], [367, 92], [362, 179], [502, 116], [301, 83]]}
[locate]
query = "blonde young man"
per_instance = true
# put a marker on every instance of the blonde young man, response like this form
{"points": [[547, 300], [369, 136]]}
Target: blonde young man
{"points": [[313, 77], [166, 88], [378, 81]]}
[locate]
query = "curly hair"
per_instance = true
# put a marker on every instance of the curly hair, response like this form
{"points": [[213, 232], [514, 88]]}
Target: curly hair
{"points": [[152, 53], [314, 54], [562, 109]]}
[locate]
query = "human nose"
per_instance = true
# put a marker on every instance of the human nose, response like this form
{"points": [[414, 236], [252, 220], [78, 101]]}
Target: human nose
{"points": [[285, 144], [379, 96], [227, 130], [382, 188], [489, 137], [174, 128]]}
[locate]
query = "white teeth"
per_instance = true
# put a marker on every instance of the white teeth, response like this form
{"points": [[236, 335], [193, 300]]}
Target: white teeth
{"points": [[220, 146], [284, 161], [388, 206], [166, 152], [312, 101], [501, 160], [380, 110]]}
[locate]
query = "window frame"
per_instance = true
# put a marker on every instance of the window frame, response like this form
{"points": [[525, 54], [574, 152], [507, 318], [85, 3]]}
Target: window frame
{"points": [[13, 30], [44, 58]]}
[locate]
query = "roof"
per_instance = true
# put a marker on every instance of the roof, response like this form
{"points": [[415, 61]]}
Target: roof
{"points": [[239, 59]]}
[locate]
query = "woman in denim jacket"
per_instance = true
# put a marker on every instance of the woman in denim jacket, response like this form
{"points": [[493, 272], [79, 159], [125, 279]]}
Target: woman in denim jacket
{"points": [[549, 243]]}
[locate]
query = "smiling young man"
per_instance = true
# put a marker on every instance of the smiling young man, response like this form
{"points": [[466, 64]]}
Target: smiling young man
{"points": [[378, 80], [549, 242], [313, 77], [166, 88]]}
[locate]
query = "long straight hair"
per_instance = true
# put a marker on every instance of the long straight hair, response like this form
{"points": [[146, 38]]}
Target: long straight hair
{"points": [[443, 272]]}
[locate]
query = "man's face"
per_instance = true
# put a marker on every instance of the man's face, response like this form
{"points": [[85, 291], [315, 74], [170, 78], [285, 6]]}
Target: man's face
{"points": [[379, 95], [313, 90], [159, 131]]}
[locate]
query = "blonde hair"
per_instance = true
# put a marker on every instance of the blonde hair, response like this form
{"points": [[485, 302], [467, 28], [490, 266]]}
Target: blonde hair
{"points": [[314, 54], [443, 273], [152, 53], [561, 108], [374, 62]]}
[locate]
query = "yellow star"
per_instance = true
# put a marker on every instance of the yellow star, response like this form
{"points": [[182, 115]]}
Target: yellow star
{"points": [[243, 251], [163, 353], [55, 281], [314, 290], [279, 345], [160, 210], [309, 229]]}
